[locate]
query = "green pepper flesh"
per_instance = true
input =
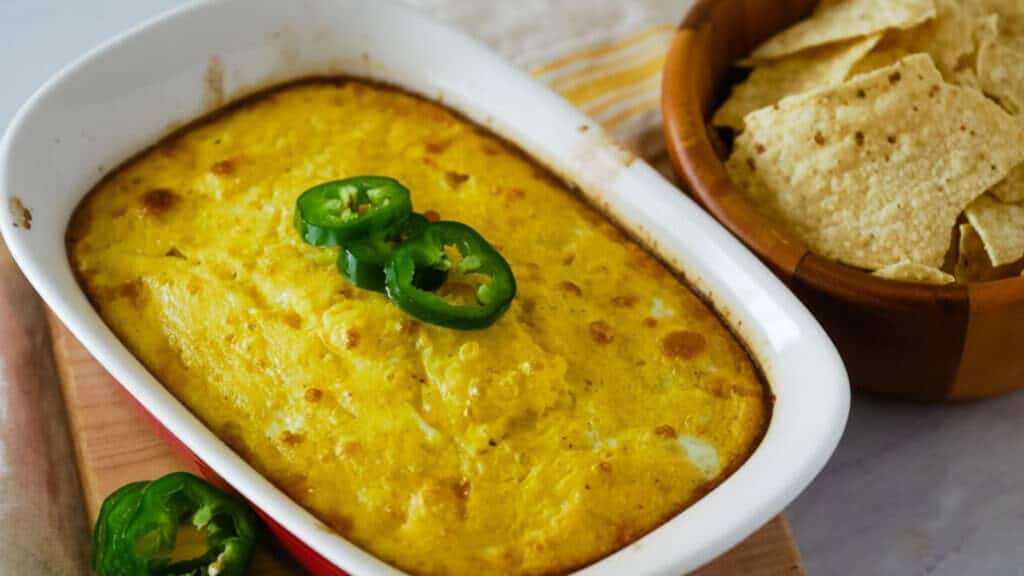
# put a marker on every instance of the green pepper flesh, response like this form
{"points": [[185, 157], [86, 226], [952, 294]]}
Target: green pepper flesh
{"points": [[427, 252], [340, 211], [362, 262], [138, 525]]}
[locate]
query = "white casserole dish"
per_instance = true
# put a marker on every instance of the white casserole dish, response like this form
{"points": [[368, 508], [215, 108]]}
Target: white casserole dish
{"points": [[125, 95]]}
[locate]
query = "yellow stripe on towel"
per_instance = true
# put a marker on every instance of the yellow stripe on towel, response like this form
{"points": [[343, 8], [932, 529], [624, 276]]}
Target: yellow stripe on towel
{"points": [[634, 110], [598, 106], [588, 90], [625, 73], [602, 50]]}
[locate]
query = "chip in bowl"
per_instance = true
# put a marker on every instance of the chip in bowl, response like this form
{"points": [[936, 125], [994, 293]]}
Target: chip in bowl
{"points": [[908, 271], [1001, 228], [773, 81], [1001, 70], [1011, 189], [837, 20], [875, 171], [867, 130]]}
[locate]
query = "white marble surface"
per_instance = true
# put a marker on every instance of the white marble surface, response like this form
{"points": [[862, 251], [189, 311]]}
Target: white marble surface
{"points": [[912, 490], [920, 490]]}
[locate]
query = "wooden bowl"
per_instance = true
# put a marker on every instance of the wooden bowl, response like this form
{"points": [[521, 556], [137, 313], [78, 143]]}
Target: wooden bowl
{"points": [[909, 341]]}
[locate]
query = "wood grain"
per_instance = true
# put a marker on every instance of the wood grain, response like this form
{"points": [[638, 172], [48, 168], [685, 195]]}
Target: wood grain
{"points": [[114, 445], [904, 340]]}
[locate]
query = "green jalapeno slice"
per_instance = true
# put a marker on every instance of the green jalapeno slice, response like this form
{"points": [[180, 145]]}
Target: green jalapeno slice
{"points": [[427, 252], [138, 526], [362, 262], [337, 212]]}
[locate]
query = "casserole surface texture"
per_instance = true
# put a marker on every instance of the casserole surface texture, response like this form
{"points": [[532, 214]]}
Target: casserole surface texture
{"points": [[605, 401]]}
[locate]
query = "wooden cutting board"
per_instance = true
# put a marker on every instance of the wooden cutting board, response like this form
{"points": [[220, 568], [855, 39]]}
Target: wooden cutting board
{"points": [[115, 445]]}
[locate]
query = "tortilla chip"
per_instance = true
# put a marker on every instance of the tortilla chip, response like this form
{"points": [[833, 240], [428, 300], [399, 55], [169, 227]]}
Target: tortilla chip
{"points": [[952, 40], [987, 29], [837, 20], [973, 264], [885, 55], [948, 38], [876, 171], [1010, 12], [1001, 227], [910, 272], [1011, 189], [774, 81], [1001, 71], [966, 77]]}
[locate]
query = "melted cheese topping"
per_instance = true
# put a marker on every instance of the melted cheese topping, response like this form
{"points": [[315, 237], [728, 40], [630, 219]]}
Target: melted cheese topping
{"points": [[605, 401]]}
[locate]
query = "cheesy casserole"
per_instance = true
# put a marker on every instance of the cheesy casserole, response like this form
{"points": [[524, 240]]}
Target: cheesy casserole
{"points": [[604, 402]]}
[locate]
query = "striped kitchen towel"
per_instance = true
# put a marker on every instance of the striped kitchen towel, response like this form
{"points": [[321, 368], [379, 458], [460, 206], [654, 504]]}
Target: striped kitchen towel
{"points": [[604, 56]]}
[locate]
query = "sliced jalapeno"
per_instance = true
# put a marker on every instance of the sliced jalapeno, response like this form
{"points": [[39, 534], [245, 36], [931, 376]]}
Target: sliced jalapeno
{"points": [[333, 213], [426, 252], [138, 525], [362, 262], [115, 513]]}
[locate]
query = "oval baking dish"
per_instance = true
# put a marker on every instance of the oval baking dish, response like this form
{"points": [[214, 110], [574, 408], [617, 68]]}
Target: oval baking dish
{"points": [[125, 95], [909, 341]]}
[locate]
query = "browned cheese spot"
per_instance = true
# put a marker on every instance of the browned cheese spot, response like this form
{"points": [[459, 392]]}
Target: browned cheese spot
{"points": [[665, 431], [624, 301], [340, 523], [159, 201], [223, 168], [351, 338], [514, 194], [438, 147], [571, 288], [408, 326], [171, 147], [352, 449], [291, 438], [601, 333], [455, 179], [131, 291], [683, 344], [292, 319]]}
